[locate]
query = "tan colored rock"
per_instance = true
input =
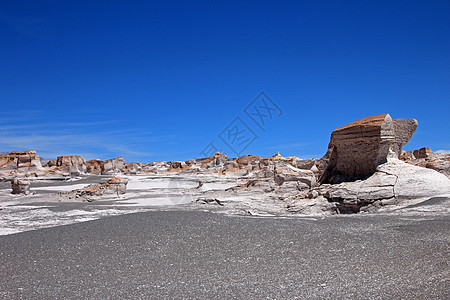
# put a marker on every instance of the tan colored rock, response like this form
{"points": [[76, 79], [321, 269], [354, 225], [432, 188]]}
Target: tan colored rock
{"points": [[426, 158], [51, 163], [25, 161], [132, 168], [355, 150], [70, 160], [277, 156], [114, 186], [423, 152], [112, 166], [246, 160], [407, 155], [74, 165], [215, 161]]}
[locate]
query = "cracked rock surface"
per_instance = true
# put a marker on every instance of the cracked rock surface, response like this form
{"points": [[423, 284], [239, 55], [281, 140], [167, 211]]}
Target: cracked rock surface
{"points": [[392, 183]]}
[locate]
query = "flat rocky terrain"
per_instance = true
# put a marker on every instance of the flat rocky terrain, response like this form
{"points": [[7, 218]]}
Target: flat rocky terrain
{"points": [[199, 255]]}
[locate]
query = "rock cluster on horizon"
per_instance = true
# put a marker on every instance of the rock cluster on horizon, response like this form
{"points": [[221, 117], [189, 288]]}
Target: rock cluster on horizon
{"points": [[364, 169], [425, 157], [20, 162]]}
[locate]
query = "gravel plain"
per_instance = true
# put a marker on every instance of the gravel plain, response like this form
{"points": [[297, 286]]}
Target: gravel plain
{"points": [[204, 255]]}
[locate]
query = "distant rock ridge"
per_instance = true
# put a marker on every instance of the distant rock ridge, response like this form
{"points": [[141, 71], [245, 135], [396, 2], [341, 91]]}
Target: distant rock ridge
{"points": [[28, 163], [20, 162]]}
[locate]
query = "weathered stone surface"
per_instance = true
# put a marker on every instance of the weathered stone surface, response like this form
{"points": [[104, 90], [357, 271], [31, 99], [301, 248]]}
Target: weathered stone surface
{"points": [[112, 166], [19, 186], [423, 152], [114, 186], [355, 150], [155, 167], [426, 158], [50, 163], [407, 155], [94, 166], [132, 168], [24, 162], [213, 162], [74, 165], [317, 206], [394, 180], [301, 176], [247, 160]]}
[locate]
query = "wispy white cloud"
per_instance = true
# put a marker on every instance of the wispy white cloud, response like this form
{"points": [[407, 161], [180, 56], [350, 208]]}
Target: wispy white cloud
{"points": [[443, 151], [93, 139]]}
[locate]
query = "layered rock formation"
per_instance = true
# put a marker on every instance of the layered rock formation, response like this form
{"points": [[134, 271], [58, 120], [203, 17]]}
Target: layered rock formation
{"points": [[20, 162], [362, 170], [426, 158], [113, 166], [74, 165], [94, 166], [28, 163], [355, 150], [132, 168]]}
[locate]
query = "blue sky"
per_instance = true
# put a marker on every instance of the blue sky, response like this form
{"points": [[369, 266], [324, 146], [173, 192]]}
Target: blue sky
{"points": [[161, 80]]}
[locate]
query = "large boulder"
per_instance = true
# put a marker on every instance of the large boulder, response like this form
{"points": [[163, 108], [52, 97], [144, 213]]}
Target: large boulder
{"points": [[357, 149], [132, 168], [393, 182], [20, 186], [214, 162], [246, 160], [94, 166], [74, 165], [112, 166], [70, 160], [289, 173], [423, 152]]}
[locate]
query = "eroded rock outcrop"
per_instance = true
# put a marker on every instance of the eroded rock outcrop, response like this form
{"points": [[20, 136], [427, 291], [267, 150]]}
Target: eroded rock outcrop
{"points": [[425, 157], [73, 165], [132, 168], [114, 186], [94, 166], [393, 182], [113, 166], [20, 186], [357, 149], [362, 169], [20, 162]]}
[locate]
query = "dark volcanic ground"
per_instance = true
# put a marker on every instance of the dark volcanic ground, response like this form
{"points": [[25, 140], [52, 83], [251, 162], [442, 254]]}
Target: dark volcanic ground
{"points": [[191, 255]]}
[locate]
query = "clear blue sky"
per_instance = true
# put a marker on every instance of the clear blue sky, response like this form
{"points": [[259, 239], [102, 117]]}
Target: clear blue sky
{"points": [[160, 80]]}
